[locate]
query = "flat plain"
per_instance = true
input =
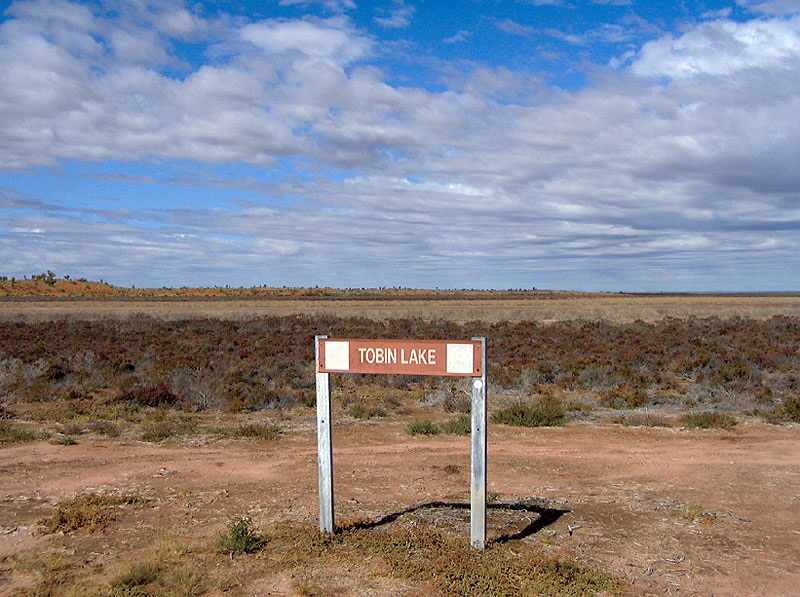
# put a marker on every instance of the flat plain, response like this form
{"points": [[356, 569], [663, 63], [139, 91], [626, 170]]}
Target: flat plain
{"points": [[543, 307], [138, 433]]}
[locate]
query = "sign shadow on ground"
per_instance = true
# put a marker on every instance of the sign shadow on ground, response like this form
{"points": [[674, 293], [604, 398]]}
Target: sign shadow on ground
{"points": [[545, 517]]}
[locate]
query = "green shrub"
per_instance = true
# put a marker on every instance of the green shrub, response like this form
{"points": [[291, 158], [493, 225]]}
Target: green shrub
{"points": [[257, 430], [13, 434], [422, 427], [359, 411], [707, 420], [547, 411], [459, 426], [240, 536]]}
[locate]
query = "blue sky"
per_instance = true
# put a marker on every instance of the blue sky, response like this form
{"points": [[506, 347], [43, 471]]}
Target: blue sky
{"points": [[591, 145]]}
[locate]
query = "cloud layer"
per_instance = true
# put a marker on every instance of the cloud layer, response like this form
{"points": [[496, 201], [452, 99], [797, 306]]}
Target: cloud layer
{"points": [[676, 167]]}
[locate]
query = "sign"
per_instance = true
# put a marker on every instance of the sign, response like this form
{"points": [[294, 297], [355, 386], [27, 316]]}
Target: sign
{"points": [[404, 357], [461, 358]]}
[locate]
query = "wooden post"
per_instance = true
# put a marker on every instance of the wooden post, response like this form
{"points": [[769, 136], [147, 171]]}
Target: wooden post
{"points": [[324, 446], [477, 529]]}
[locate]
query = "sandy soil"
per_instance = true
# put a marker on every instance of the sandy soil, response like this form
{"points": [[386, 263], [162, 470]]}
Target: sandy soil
{"points": [[606, 494], [551, 308]]}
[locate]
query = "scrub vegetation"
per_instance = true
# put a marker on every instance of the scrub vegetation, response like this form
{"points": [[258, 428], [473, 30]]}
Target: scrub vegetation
{"points": [[157, 373]]}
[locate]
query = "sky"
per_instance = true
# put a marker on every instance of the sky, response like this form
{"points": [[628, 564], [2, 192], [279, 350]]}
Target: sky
{"points": [[617, 145]]}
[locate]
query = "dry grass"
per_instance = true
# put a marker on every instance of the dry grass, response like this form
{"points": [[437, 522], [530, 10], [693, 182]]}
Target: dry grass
{"points": [[707, 420], [539, 307], [91, 511], [431, 559]]}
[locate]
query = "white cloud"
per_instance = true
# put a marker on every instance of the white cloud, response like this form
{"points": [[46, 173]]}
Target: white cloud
{"points": [[626, 174], [722, 48], [771, 7], [396, 17], [514, 28], [332, 39], [459, 36]]}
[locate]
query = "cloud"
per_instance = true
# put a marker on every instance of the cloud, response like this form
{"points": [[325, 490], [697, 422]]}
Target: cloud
{"points": [[397, 17], [459, 36], [332, 39], [684, 162], [722, 48], [771, 7], [514, 28], [337, 6]]}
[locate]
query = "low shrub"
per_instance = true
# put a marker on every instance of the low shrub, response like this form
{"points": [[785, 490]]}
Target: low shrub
{"points": [[422, 427], [457, 401], [160, 427], [790, 410], [103, 428], [14, 434], [265, 431], [643, 420], [359, 411], [6, 413], [547, 411], [239, 537], [155, 577], [459, 426], [707, 420], [149, 395], [623, 396]]}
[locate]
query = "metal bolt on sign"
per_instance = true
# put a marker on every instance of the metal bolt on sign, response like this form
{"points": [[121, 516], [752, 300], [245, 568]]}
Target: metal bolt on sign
{"points": [[451, 358]]}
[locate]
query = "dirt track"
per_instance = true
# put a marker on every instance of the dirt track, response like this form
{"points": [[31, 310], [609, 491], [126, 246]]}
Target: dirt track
{"points": [[686, 512]]}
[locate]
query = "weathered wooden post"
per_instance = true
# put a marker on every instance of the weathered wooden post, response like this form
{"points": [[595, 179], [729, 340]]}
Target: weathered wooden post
{"points": [[324, 445]]}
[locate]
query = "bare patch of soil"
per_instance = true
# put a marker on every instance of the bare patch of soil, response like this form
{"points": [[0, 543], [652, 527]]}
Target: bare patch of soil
{"points": [[671, 511]]}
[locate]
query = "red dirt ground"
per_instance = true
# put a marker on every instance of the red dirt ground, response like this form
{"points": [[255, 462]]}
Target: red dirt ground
{"points": [[622, 496]]}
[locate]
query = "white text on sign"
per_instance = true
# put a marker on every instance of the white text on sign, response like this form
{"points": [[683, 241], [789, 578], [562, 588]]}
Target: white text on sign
{"points": [[389, 356]]}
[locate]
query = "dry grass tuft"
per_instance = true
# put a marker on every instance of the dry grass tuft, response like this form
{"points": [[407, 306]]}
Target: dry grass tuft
{"points": [[92, 510], [707, 420]]}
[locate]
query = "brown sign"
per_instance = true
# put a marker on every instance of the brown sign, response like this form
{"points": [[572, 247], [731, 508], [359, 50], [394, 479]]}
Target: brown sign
{"points": [[460, 358]]}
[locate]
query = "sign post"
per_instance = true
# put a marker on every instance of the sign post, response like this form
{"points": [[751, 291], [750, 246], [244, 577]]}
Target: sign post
{"points": [[324, 446], [404, 357], [477, 510]]}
